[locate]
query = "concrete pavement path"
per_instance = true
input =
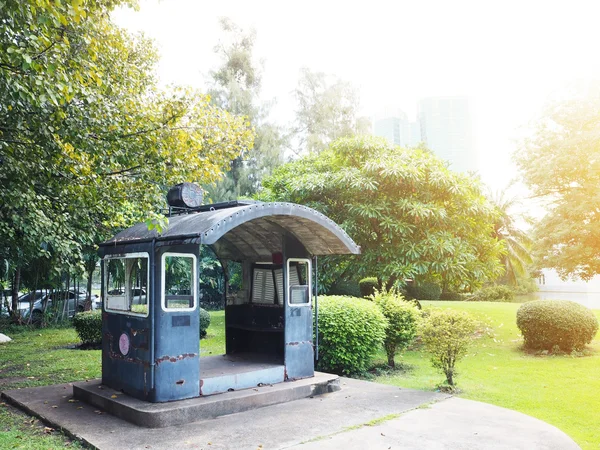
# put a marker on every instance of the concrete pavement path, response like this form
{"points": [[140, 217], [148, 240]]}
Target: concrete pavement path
{"points": [[362, 415]]}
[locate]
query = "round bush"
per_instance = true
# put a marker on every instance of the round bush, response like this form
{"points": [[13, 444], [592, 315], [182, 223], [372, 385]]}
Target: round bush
{"points": [[350, 332], [550, 324], [497, 293], [426, 290], [368, 286], [88, 325], [204, 322]]}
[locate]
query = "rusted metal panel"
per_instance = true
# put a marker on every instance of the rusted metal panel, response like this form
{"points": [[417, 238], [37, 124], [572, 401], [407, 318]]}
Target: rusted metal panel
{"points": [[126, 345], [176, 363], [126, 367], [299, 355]]}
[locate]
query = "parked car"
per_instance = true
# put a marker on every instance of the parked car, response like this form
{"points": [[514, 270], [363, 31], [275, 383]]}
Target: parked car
{"points": [[138, 296], [6, 300], [75, 303]]}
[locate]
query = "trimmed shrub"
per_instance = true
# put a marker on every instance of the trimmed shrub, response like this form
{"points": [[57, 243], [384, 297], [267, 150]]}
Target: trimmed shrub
{"points": [[496, 293], [350, 332], [425, 290], [451, 296], [446, 335], [402, 318], [345, 287], [88, 325], [368, 286], [204, 322], [551, 324]]}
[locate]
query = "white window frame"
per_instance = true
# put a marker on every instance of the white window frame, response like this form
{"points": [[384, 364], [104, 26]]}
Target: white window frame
{"points": [[194, 282], [105, 299], [287, 282]]}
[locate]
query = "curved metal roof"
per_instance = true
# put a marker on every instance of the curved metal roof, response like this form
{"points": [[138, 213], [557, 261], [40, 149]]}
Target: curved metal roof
{"points": [[248, 232]]}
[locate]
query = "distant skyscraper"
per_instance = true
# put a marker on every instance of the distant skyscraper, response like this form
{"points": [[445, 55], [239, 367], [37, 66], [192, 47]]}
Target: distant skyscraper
{"points": [[446, 129], [393, 125]]}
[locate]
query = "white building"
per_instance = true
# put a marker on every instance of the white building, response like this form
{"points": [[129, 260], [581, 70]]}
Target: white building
{"points": [[393, 124], [446, 129]]}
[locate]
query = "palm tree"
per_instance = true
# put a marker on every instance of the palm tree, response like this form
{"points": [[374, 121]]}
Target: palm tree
{"points": [[517, 243]]}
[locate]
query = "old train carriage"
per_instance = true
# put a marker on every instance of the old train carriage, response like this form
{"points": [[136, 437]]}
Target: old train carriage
{"points": [[151, 340]]}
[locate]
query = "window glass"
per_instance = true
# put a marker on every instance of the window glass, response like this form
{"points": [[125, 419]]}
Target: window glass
{"points": [[126, 285], [178, 281], [299, 282]]}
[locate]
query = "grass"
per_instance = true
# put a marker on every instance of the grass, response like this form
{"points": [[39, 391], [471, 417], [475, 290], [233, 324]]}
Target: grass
{"points": [[560, 390], [214, 342], [20, 431], [47, 356]]}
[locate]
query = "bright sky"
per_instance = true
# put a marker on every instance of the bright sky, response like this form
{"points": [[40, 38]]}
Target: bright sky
{"points": [[509, 57]]}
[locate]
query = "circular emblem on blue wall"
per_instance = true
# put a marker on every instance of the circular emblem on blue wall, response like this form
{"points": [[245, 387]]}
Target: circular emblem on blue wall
{"points": [[124, 343]]}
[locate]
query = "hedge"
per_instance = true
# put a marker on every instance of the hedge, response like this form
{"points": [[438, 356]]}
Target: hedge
{"points": [[88, 325], [496, 293], [204, 322], [368, 286], [350, 332], [425, 290], [556, 324]]}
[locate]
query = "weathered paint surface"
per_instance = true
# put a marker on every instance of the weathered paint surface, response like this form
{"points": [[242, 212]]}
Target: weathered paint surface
{"points": [[157, 358], [299, 354], [129, 372], [176, 363], [244, 380]]}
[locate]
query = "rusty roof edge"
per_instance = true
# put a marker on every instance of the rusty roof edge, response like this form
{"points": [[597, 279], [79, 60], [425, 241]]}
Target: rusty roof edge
{"points": [[221, 225]]}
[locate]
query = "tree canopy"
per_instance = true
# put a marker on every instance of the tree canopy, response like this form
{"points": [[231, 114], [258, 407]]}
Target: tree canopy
{"points": [[236, 87], [412, 216], [561, 165], [327, 109], [517, 259], [88, 142]]}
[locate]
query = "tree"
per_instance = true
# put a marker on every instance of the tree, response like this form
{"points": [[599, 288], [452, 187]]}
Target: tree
{"points": [[411, 215], [517, 255], [327, 109], [561, 165], [88, 143], [236, 87]]}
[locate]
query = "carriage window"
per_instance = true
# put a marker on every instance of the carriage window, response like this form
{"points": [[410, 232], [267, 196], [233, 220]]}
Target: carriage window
{"points": [[126, 284], [178, 282], [299, 281]]}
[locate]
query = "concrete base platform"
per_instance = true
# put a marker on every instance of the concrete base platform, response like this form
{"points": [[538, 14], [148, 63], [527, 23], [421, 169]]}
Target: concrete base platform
{"points": [[362, 415], [159, 415], [239, 371]]}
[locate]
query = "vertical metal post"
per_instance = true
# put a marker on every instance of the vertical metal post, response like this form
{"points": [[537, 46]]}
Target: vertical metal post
{"points": [[151, 298], [316, 310]]}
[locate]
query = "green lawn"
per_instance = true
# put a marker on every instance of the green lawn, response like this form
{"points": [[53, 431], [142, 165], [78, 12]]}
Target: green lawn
{"points": [[561, 390], [42, 357], [214, 343]]}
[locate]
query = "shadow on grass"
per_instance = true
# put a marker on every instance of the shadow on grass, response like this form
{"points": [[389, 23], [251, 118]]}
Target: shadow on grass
{"points": [[382, 369]]}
